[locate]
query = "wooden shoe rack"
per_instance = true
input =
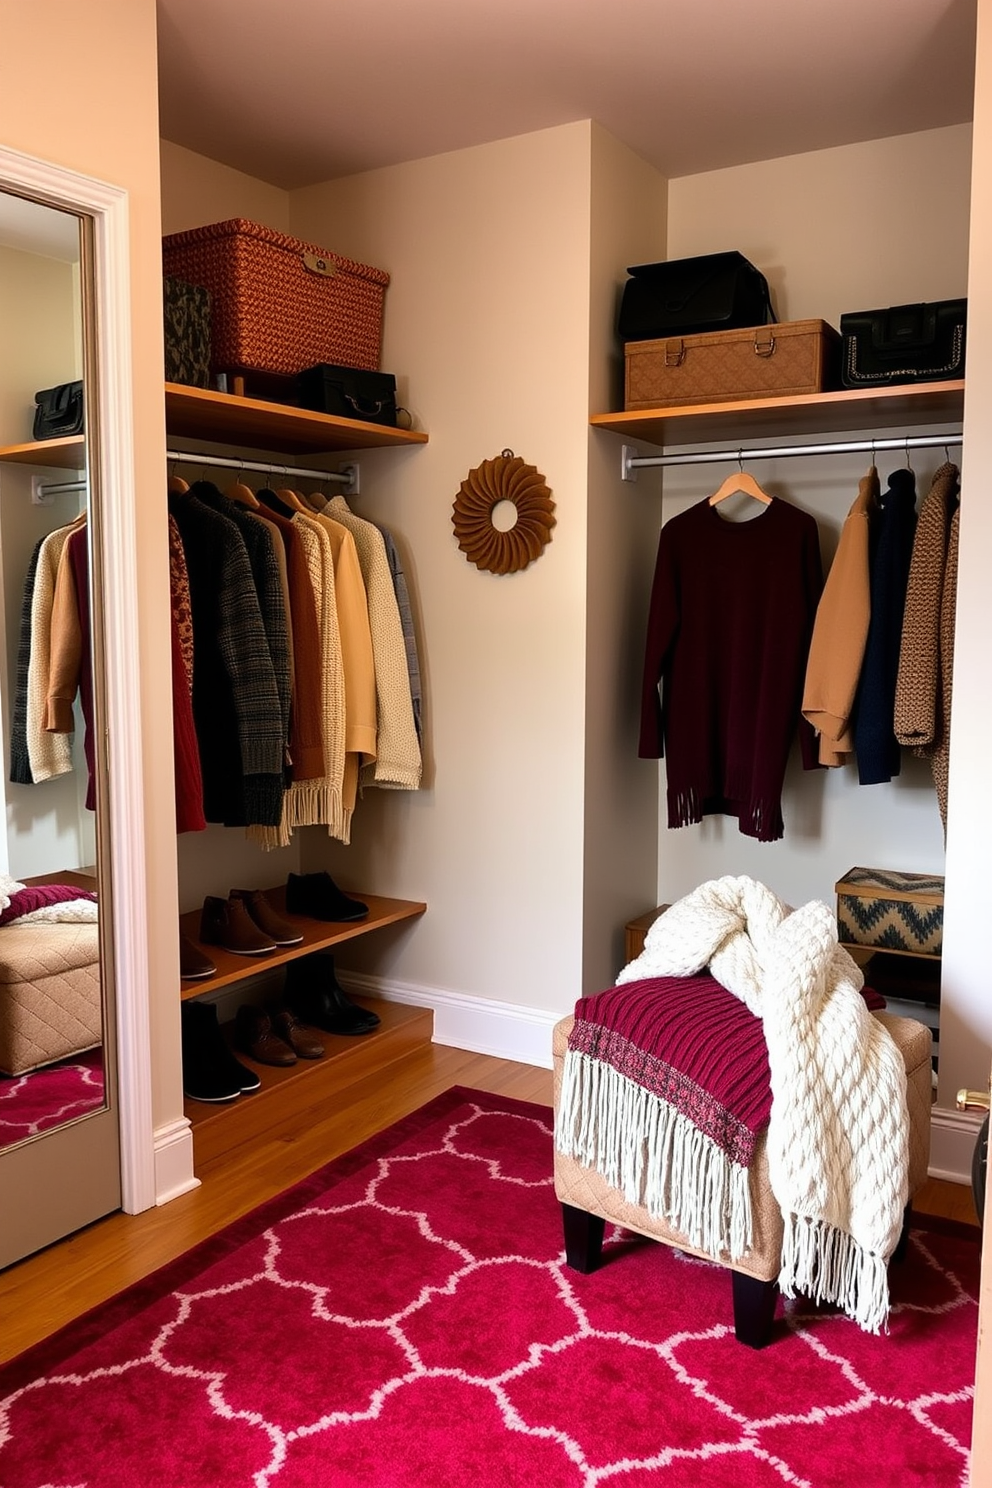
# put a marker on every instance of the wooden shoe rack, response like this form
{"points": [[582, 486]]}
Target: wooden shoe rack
{"points": [[285, 1093]]}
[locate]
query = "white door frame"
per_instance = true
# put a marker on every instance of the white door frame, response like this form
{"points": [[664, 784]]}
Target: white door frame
{"points": [[107, 207]]}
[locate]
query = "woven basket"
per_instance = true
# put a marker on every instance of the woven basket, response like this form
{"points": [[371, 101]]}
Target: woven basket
{"points": [[279, 304]]}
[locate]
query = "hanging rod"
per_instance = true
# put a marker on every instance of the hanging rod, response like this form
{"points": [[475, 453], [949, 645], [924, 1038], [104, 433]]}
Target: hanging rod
{"points": [[347, 477], [631, 461]]}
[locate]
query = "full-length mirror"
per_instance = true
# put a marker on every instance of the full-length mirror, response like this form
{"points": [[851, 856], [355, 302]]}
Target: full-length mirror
{"points": [[56, 1061]]}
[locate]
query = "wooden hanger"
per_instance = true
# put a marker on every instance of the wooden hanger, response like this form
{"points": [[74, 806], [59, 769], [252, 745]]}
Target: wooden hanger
{"points": [[242, 494], [292, 499], [743, 482], [177, 486]]}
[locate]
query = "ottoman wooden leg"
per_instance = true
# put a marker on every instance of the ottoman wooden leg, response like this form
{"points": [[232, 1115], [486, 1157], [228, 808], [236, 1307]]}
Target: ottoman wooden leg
{"points": [[754, 1309], [583, 1238]]}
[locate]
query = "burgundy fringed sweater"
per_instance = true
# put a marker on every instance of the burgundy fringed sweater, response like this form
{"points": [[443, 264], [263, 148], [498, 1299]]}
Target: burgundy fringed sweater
{"points": [[732, 612]]}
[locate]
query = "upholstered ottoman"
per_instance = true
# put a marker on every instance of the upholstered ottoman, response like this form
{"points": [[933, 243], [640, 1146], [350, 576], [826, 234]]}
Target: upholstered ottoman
{"points": [[49, 993], [588, 1201]]}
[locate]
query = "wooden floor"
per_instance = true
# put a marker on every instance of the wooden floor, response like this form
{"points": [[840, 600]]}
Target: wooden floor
{"points": [[52, 1288]]}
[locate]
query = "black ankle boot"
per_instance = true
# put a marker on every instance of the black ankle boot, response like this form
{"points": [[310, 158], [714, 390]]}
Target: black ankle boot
{"points": [[315, 996], [210, 1070], [317, 895]]}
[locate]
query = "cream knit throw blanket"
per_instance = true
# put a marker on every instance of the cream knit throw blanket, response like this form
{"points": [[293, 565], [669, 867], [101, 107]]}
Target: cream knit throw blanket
{"points": [[838, 1139]]}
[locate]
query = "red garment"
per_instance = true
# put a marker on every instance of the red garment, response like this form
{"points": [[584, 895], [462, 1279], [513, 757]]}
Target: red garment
{"points": [[189, 779], [732, 612]]}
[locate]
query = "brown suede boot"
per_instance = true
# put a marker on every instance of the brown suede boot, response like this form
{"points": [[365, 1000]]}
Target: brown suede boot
{"points": [[227, 923]]}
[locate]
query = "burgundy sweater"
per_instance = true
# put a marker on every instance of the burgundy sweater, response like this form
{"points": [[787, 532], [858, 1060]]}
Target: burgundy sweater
{"points": [[732, 612]]}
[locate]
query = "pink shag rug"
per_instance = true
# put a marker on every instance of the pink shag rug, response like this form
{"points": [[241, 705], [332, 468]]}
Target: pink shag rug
{"points": [[34, 1103], [404, 1319]]}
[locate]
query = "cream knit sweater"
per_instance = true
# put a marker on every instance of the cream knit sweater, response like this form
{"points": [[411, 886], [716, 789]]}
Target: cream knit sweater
{"points": [[50, 754], [398, 763]]}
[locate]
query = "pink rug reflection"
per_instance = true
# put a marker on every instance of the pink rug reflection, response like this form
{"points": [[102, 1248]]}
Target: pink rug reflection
{"points": [[34, 1103]]}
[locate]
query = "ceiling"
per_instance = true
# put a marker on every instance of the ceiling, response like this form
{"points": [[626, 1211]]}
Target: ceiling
{"points": [[300, 91]]}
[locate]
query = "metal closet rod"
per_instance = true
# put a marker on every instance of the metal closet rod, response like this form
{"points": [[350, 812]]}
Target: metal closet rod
{"points": [[632, 461], [346, 477]]}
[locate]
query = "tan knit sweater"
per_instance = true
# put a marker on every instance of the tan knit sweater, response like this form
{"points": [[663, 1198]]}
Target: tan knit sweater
{"points": [[917, 714], [840, 630], [50, 753], [397, 764]]}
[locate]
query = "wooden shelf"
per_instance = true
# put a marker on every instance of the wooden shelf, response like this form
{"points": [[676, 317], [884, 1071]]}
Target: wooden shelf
{"points": [[60, 454], [317, 936], [775, 418], [198, 413]]}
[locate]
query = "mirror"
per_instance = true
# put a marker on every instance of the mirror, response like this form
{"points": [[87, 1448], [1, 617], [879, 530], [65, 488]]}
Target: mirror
{"points": [[53, 1023]]}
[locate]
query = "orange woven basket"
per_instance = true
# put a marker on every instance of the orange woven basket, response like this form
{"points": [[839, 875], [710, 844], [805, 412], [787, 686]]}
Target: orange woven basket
{"points": [[279, 304]]}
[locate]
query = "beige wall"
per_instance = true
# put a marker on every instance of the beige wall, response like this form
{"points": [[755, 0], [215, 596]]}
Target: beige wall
{"points": [[90, 104], [879, 223], [970, 829], [487, 330], [628, 226], [196, 191]]}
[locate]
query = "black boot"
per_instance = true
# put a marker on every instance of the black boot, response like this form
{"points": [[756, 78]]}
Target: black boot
{"points": [[210, 1070], [317, 895], [314, 995]]}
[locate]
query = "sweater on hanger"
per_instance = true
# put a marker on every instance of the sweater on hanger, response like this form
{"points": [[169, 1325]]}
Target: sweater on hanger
{"points": [[398, 764], [268, 587], [50, 754], [186, 750], [20, 760], [71, 666], [875, 742], [840, 630], [409, 633], [940, 758], [235, 699], [732, 609], [917, 711], [357, 661]]}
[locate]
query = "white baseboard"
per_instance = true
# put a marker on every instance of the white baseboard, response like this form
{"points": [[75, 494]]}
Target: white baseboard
{"points": [[953, 1135], [174, 1160], [478, 1024]]}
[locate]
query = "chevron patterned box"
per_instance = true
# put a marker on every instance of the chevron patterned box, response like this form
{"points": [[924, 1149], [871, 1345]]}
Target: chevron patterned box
{"points": [[902, 912]]}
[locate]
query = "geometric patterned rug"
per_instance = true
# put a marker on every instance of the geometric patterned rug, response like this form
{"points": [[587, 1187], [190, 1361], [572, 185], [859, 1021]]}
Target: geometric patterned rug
{"points": [[41, 1099], [404, 1319]]}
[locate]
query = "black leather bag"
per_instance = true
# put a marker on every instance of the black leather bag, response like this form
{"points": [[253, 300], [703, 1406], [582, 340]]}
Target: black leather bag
{"points": [[715, 292], [906, 343], [58, 411], [349, 392]]}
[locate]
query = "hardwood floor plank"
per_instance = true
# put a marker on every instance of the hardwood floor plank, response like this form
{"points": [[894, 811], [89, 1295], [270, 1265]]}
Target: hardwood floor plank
{"points": [[50, 1289]]}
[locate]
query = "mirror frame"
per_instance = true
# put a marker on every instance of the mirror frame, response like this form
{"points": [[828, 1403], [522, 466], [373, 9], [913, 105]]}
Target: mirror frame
{"points": [[110, 460]]}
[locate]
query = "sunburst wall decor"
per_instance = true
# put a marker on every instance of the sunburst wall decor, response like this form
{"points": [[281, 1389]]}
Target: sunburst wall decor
{"points": [[505, 478]]}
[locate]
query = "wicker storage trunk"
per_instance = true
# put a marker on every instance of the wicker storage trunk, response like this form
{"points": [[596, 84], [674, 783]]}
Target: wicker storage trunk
{"points": [[279, 304], [901, 912], [783, 360]]}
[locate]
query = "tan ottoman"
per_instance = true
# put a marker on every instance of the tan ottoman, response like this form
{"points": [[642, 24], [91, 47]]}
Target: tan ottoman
{"points": [[588, 1202], [50, 1004]]}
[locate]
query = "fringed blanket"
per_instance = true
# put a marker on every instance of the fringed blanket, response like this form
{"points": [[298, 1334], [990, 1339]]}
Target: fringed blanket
{"points": [[838, 1136], [683, 1062]]}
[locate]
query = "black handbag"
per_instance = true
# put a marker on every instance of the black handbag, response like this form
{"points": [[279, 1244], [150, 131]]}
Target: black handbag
{"points": [[906, 343], [715, 292], [58, 411], [348, 392]]}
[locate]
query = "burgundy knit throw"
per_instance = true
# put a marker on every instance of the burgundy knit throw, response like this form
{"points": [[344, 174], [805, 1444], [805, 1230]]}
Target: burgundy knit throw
{"points": [[693, 1044]]}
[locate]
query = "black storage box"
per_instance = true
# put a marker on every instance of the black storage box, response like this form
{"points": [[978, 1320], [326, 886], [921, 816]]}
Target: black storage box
{"points": [[685, 296], [58, 411], [187, 332], [349, 392], [906, 343]]}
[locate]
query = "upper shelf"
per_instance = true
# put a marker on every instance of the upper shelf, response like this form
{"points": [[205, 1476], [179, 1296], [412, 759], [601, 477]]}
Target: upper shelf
{"points": [[775, 418], [251, 423], [198, 413]]}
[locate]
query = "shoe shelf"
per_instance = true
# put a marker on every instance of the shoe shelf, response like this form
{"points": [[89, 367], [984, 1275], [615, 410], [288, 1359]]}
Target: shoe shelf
{"points": [[287, 1095], [318, 935]]}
